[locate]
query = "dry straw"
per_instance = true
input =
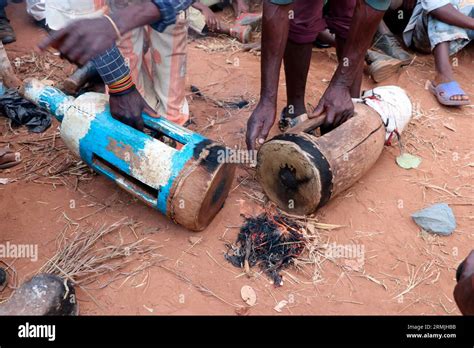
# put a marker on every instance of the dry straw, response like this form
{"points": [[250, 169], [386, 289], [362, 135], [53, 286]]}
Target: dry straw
{"points": [[87, 256]]}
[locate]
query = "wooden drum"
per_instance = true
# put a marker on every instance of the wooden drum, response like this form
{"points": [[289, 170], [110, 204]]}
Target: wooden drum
{"points": [[301, 172]]}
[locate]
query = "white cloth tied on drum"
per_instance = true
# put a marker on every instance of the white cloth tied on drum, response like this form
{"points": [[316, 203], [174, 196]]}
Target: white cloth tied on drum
{"points": [[392, 104]]}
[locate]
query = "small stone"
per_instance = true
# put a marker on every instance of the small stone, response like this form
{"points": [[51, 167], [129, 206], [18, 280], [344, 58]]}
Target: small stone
{"points": [[44, 294], [437, 218]]}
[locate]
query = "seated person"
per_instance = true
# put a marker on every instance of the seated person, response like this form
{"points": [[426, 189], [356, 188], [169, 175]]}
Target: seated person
{"points": [[385, 40], [388, 56], [203, 20], [7, 35], [464, 290], [445, 28]]}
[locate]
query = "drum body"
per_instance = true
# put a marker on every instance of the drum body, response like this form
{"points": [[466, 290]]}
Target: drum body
{"points": [[186, 182], [302, 172]]}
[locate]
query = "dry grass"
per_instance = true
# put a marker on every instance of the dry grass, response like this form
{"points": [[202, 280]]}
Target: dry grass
{"points": [[418, 275], [423, 119], [219, 44], [445, 193], [47, 161], [89, 254], [313, 258], [316, 239], [200, 287], [45, 66]]}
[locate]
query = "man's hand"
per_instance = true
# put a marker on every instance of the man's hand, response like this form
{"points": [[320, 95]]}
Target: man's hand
{"points": [[275, 27], [85, 39], [82, 40], [128, 109], [260, 123], [337, 104], [212, 21], [336, 101]]}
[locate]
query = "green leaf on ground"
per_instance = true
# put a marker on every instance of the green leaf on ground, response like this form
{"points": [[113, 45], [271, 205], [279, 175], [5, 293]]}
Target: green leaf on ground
{"points": [[408, 161]]}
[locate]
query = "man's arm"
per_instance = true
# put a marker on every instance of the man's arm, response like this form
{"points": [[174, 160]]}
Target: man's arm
{"points": [[126, 103], [451, 15], [275, 27], [85, 39], [336, 101], [212, 21], [94, 39], [367, 17]]}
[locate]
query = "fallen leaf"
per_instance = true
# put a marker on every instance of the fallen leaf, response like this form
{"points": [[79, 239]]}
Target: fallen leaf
{"points": [[4, 181], [408, 161], [248, 295], [279, 307]]}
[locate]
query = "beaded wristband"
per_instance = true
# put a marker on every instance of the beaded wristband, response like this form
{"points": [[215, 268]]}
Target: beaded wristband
{"points": [[127, 91], [122, 85]]}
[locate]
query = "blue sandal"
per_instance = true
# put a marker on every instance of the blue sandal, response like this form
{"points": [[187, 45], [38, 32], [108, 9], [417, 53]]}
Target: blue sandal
{"points": [[444, 92]]}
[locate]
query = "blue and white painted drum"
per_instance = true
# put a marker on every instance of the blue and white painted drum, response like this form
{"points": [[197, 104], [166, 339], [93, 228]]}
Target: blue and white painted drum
{"points": [[189, 185]]}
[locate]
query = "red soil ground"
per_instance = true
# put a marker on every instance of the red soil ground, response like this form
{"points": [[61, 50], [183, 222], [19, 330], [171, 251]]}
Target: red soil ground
{"points": [[375, 212]]}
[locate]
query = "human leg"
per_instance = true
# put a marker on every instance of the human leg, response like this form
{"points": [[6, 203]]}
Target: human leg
{"points": [[169, 56], [447, 40], [445, 77], [133, 47], [304, 29]]}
